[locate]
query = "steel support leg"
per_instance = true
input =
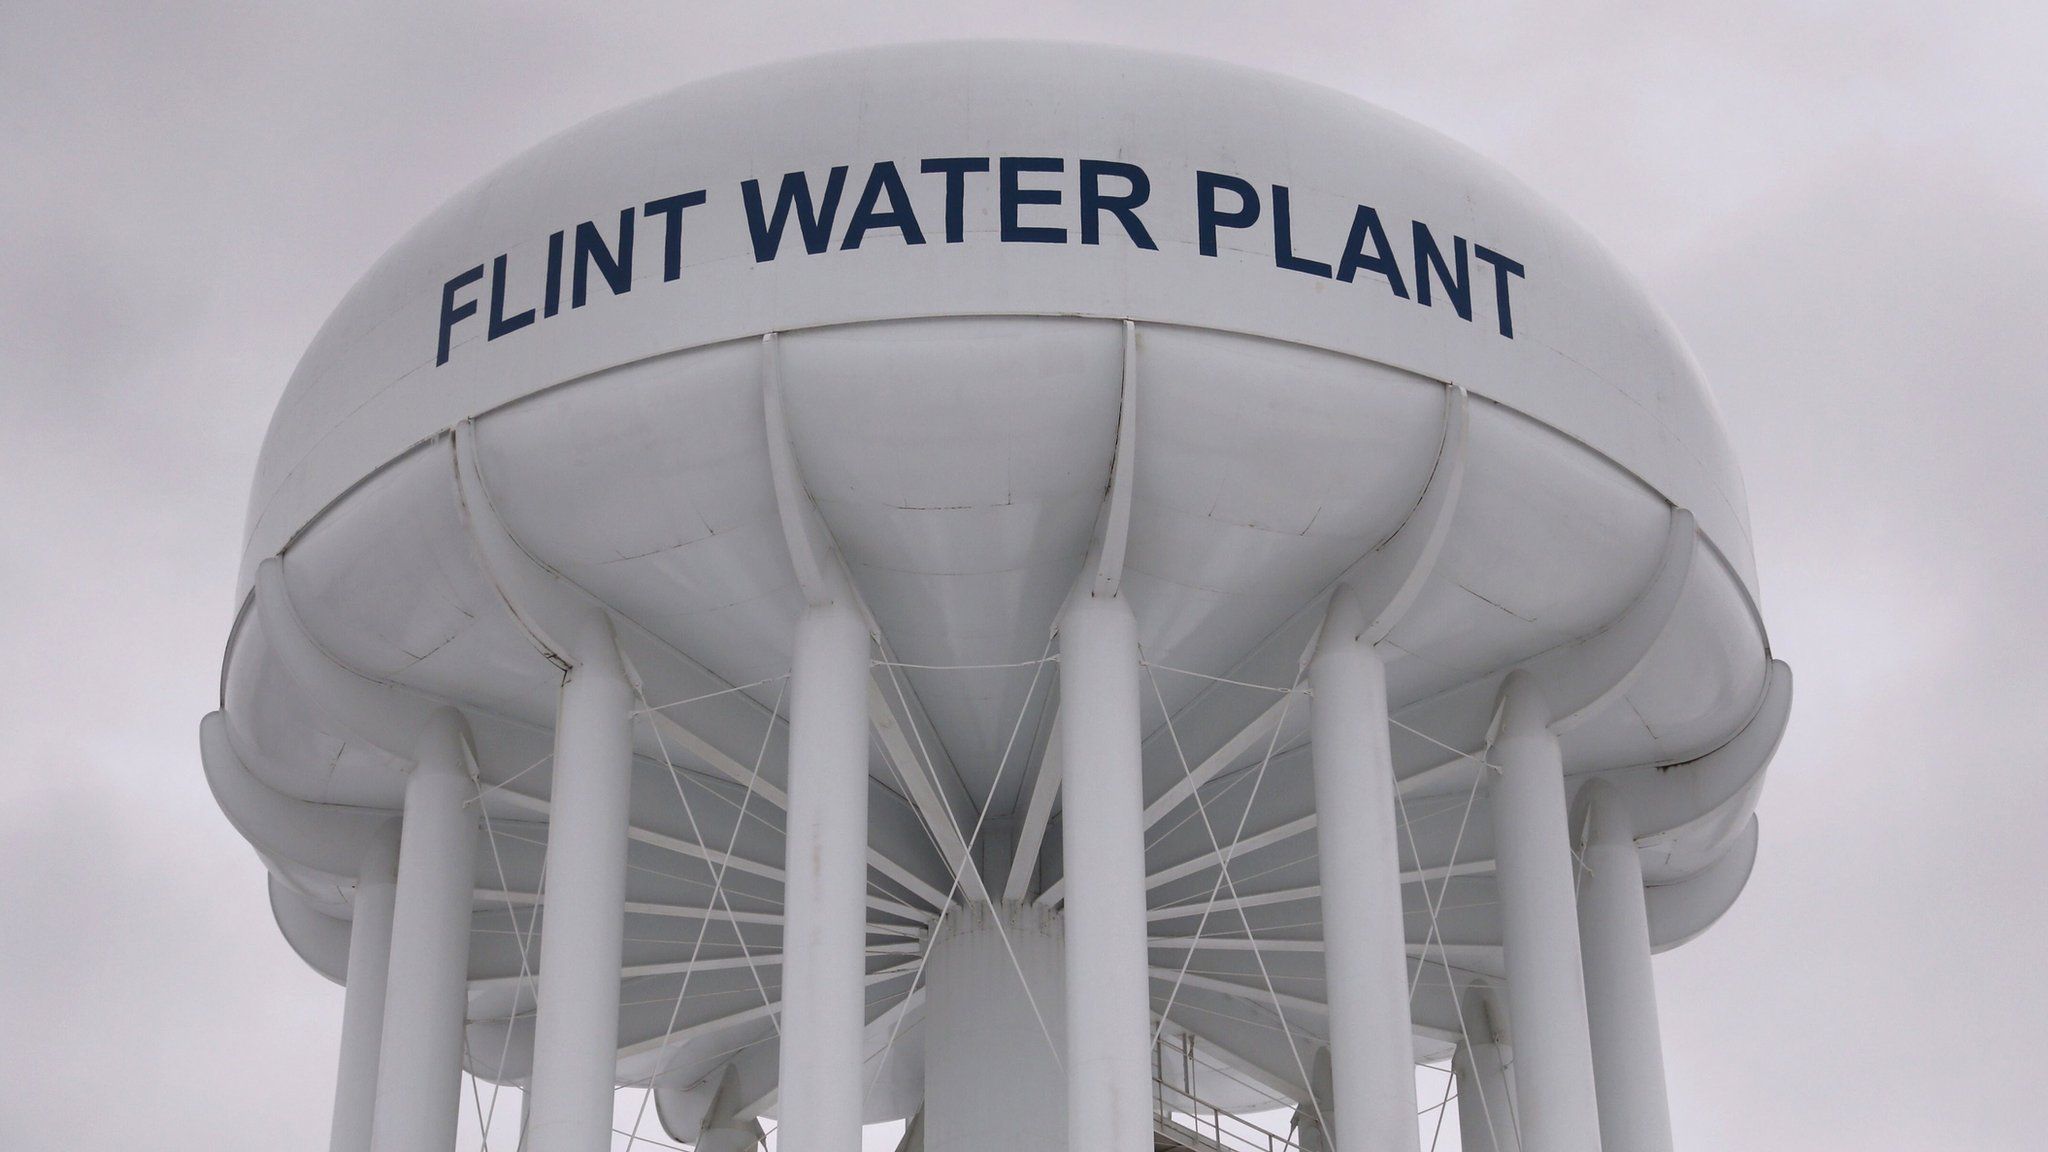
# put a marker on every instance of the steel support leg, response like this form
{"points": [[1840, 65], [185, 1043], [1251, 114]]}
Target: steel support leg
{"points": [[1109, 1011], [1621, 995], [1540, 928], [576, 1026], [362, 1012], [1372, 1045], [419, 1068], [825, 902]]}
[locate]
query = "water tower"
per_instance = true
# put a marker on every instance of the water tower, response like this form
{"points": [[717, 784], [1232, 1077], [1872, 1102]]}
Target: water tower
{"points": [[1059, 594]]}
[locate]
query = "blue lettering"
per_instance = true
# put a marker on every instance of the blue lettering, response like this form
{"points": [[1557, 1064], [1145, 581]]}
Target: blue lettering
{"points": [[1124, 208], [816, 225], [1428, 256], [451, 312], [1283, 238], [1365, 225], [882, 181], [671, 208], [1013, 197], [616, 268], [1208, 218], [956, 169], [551, 301], [1502, 269], [501, 324], [1106, 188]]}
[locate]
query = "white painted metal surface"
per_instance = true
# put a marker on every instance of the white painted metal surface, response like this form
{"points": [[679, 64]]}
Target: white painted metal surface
{"points": [[1039, 338], [1486, 1109], [362, 1014], [1109, 1038], [823, 903], [1621, 994], [1554, 1087], [576, 1025], [1372, 1042], [992, 1072], [419, 1063]]}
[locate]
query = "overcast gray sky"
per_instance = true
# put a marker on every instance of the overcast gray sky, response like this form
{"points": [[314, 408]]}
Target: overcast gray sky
{"points": [[1844, 206]]}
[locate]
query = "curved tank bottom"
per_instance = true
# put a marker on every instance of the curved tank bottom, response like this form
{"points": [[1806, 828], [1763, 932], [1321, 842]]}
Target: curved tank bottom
{"points": [[963, 506]]}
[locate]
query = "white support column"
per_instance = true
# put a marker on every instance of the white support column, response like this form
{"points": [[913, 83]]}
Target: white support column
{"points": [[576, 1026], [1372, 1046], [1486, 1111], [419, 1067], [1621, 994], [1540, 927], [824, 946], [991, 1081], [1108, 985], [362, 1011]]}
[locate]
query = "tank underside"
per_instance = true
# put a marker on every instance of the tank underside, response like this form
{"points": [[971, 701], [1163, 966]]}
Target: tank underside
{"points": [[960, 466]]}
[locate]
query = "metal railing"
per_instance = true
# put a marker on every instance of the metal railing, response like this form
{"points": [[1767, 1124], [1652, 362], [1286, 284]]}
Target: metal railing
{"points": [[1206, 1128]]}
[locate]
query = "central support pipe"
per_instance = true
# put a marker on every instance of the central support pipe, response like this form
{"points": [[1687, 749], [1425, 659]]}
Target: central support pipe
{"points": [[1372, 1053], [419, 1066], [362, 1010], [1109, 1037], [824, 994], [1540, 928], [1621, 994], [576, 1026], [991, 1080]]}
